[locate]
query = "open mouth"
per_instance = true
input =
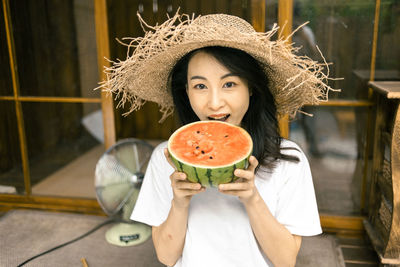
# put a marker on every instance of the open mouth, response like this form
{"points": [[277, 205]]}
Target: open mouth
{"points": [[222, 117]]}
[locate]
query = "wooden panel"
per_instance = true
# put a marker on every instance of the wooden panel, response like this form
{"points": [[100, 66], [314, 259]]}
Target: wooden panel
{"points": [[237, 8], [103, 53], [124, 23], [258, 15], [352, 223], [383, 226], [347, 103], [192, 6], [393, 246], [384, 180], [378, 153], [285, 21], [221, 6], [16, 91], [285, 17], [88, 206], [207, 7], [390, 89], [374, 44], [51, 99], [342, 225]]}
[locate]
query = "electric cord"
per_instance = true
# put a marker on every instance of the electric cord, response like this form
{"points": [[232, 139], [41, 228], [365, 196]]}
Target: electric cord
{"points": [[69, 242]]}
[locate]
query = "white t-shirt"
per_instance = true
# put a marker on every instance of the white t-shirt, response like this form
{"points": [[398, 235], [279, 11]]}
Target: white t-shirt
{"points": [[219, 231]]}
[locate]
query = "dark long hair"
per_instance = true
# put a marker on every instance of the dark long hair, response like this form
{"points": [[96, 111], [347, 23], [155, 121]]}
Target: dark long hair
{"points": [[260, 119]]}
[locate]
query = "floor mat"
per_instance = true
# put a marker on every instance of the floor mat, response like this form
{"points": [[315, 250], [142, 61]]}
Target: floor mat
{"points": [[26, 233]]}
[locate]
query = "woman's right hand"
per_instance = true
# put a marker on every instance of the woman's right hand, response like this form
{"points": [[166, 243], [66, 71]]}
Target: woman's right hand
{"points": [[183, 189]]}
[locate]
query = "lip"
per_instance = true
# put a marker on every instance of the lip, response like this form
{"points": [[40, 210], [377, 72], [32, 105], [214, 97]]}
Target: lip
{"points": [[219, 117]]}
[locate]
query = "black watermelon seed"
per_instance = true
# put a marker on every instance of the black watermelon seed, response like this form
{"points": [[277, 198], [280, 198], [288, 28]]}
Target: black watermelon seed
{"points": [[197, 147], [202, 152], [211, 157]]}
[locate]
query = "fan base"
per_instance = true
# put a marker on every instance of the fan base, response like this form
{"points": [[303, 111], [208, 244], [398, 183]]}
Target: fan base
{"points": [[128, 234]]}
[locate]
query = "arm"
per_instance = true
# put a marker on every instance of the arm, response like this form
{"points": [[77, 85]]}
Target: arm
{"points": [[169, 237], [276, 241], [280, 246]]}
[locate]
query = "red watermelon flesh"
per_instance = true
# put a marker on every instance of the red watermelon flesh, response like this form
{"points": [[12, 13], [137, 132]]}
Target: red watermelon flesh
{"points": [[209, 151]]}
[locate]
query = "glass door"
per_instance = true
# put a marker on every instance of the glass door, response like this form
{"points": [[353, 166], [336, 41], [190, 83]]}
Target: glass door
{"points": [[51, 131]]}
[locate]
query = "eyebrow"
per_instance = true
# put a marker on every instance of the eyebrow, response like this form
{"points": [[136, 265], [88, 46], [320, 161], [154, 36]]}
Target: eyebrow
{"points": [[222, 77]]}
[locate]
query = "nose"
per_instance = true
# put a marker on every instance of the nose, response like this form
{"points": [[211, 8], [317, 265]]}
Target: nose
{"points": [[216, 100]]}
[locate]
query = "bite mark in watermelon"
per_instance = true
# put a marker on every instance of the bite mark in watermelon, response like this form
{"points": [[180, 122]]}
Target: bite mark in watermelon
{"points": [[210, 151]]}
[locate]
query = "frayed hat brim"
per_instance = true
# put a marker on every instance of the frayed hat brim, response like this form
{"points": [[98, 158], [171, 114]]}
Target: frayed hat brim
{"points": [[144, 76]]}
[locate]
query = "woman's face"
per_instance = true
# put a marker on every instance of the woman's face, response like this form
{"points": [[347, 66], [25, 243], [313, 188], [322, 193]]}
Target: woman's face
{"points": [[214, 92]]}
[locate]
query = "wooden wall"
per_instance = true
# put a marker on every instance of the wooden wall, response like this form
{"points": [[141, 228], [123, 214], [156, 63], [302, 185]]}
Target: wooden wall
{"points": [[123, 22]]}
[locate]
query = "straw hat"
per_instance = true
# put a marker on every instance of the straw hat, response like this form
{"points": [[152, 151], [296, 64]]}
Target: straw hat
{"points": [[144, 75]]}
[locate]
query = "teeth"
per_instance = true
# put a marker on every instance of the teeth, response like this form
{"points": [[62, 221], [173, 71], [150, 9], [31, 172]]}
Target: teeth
{"points": [[219, 118]]}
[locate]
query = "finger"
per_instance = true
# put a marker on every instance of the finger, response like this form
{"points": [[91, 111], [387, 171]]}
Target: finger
{"points": [[234, 187], [232, 192], [181, 185], [253, 164], [189, 192], [178, 176], [168, 157], [248, 174], [245, 174]]}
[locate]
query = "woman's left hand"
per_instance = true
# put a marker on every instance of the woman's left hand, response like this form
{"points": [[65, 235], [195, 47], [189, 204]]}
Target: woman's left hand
{"points": [[243, 187]]}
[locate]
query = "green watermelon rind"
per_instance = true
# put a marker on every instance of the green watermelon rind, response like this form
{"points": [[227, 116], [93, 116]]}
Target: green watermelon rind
{"points": [[211, 176]]}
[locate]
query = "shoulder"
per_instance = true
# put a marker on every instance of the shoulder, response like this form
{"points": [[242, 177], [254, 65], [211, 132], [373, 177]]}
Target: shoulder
{"points": [[289, 147], [292, 174], [158, 168], [161, 146], [293, 168], [158, 152]]}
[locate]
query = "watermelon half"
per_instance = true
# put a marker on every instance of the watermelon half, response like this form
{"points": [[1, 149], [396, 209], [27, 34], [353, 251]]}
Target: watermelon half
{"points": [[209, 151]]}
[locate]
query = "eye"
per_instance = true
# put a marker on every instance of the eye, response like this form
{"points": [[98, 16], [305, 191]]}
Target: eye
{"points": [[200, 86], [229, 84]]}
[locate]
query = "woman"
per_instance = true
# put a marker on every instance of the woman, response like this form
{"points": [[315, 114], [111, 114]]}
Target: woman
{"points": [[217, 68]]}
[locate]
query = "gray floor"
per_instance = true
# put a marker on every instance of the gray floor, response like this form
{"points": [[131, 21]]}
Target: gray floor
{"points": [[25, 233]]}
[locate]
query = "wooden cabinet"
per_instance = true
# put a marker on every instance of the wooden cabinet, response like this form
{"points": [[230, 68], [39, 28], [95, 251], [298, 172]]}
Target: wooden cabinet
{"points": [[383, 224]]}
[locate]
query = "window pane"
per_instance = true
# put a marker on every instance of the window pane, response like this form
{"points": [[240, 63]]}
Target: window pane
{"points": [[64, 144], [388, 51], [5, 76], [343, 31], [11, 175], [334, 142], [55, 44]]}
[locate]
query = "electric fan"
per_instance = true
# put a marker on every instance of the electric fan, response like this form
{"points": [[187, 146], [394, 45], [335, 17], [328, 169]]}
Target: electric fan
{"points": [[118, 178]]}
